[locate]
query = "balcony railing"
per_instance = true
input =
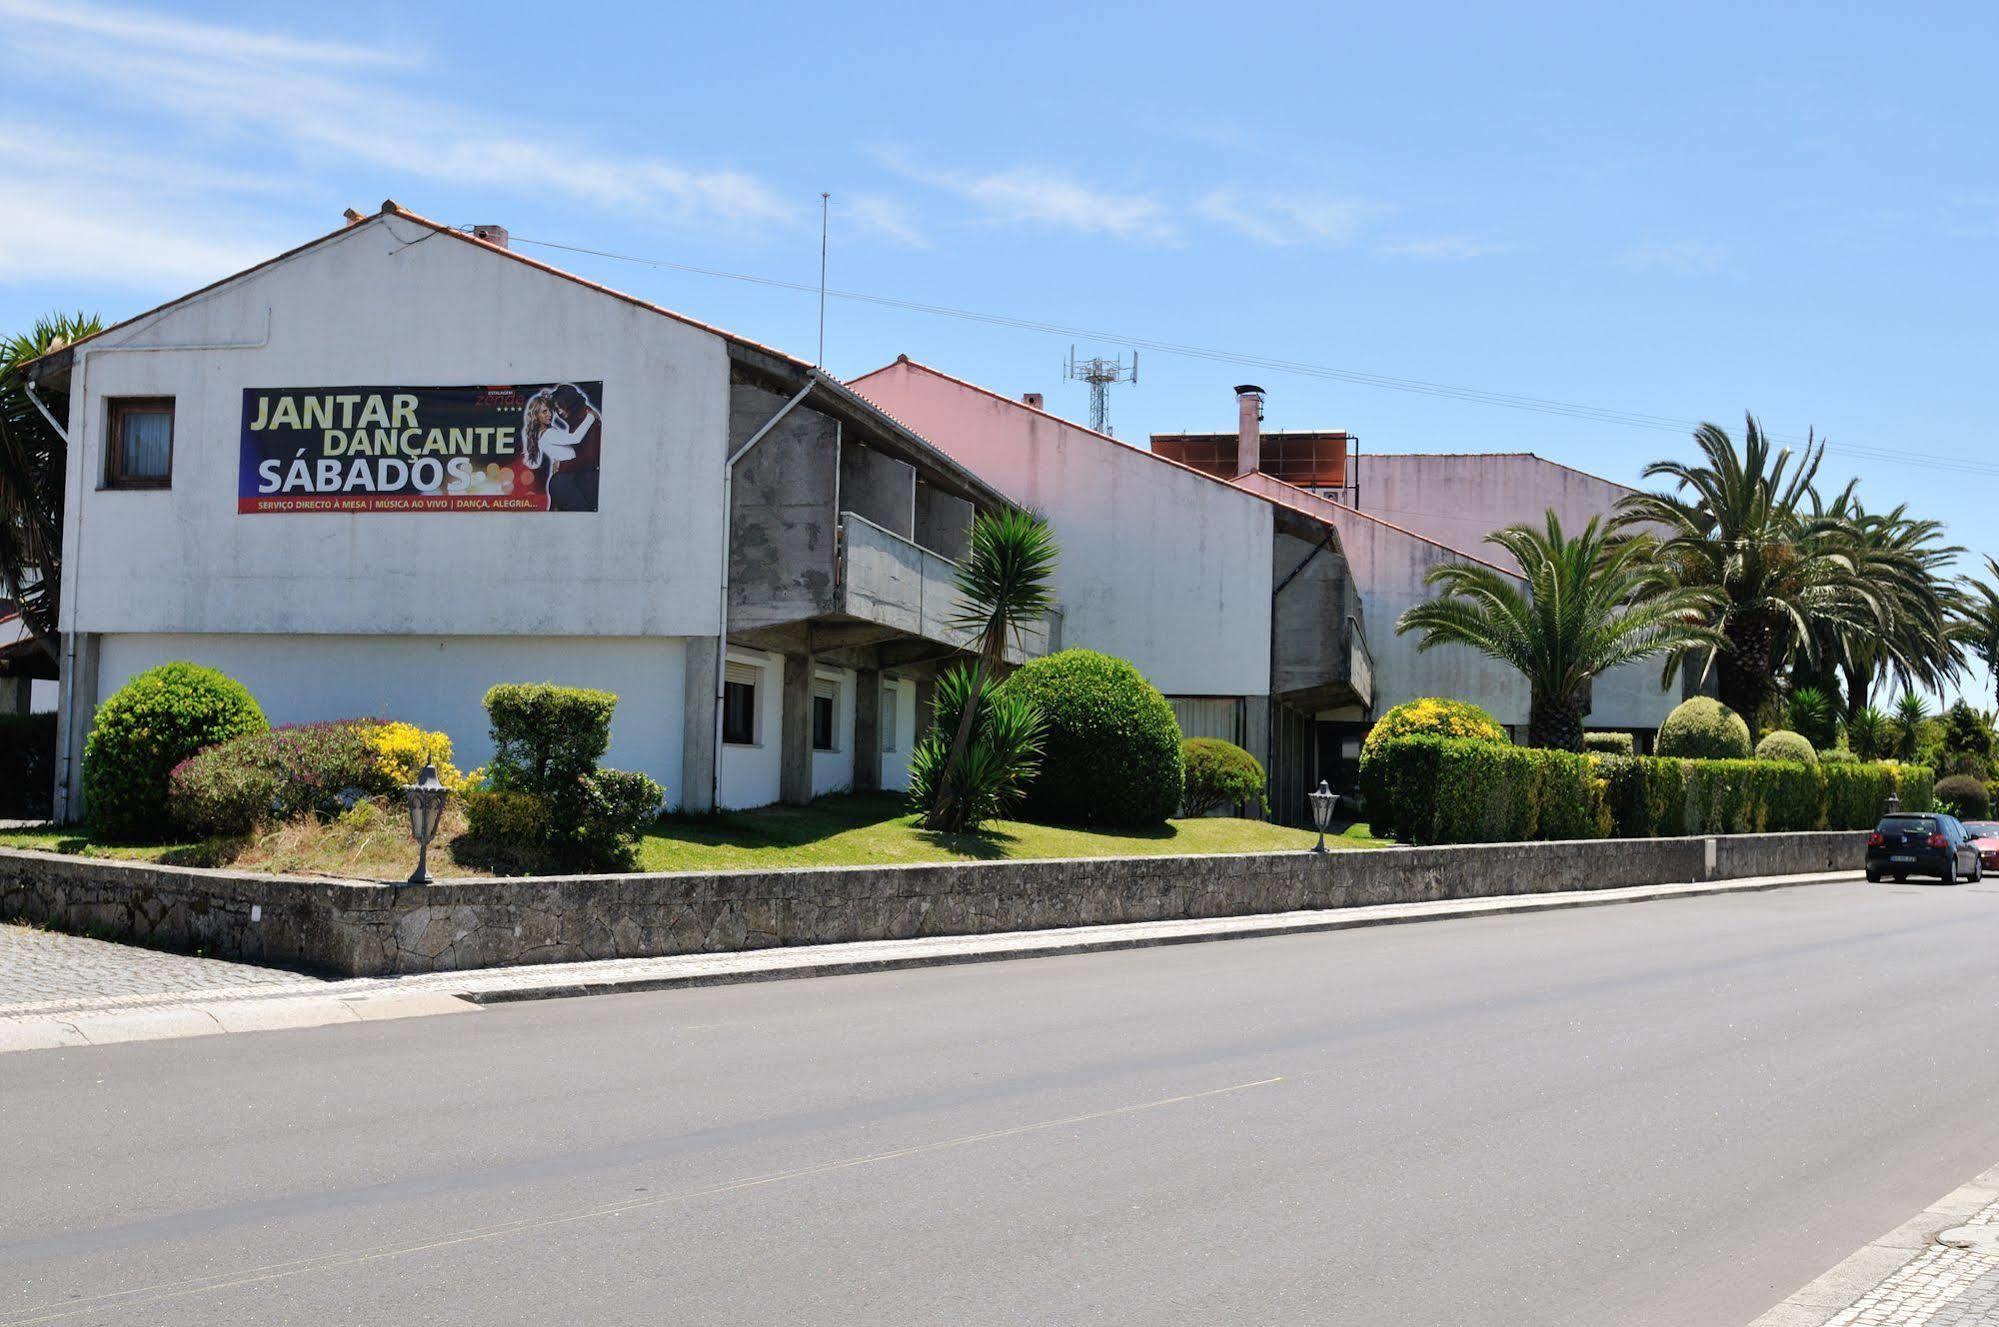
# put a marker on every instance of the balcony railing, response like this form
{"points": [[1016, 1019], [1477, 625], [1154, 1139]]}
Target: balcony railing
{"points": [[896, 583], [1360, 661]]}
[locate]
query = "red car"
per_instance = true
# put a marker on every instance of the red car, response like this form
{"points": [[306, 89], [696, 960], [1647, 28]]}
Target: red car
{"points": [[1984, 836]]}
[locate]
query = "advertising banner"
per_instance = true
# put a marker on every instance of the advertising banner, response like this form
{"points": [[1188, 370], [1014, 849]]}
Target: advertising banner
{"points": [[523, 447]]}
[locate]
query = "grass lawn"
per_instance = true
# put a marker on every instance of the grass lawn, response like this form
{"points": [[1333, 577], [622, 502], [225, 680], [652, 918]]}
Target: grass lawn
{"points": [[861, 830], [833, 831]]}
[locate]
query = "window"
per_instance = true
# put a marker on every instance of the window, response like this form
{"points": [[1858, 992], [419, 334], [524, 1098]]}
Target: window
{"points": [[141, 454], [890, 693], [739, 705], [825, 694]]}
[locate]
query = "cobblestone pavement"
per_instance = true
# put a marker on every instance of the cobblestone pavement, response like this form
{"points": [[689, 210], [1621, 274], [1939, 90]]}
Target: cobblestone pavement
{"points": [[1940, 1287], [41, 967]]}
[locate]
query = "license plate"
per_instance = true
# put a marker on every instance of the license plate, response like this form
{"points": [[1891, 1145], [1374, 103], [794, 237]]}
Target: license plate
{"points": [[1901, 859]]}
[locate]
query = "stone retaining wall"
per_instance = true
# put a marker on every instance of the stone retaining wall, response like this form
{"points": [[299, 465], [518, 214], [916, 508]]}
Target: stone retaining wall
{"points": [[355, 928]]}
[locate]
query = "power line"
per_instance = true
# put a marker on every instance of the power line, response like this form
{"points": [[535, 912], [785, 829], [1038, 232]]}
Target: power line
{"points": [[1417, 386]]}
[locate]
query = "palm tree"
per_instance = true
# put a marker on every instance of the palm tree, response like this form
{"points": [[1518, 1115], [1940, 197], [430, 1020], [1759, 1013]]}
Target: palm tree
{"points": [[1976, 628], [1739, 524], [33, 457], [1004, 584], [1589, 603], [1905, 566]]}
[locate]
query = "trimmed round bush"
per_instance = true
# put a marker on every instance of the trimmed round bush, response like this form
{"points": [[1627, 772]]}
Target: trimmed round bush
{"points": [[1609, 744], [1838, 755], [153, 723], [1111, 752], [1971, 798], [1219, 774], [1435, 716], [1786, 745], [1704, 729]]}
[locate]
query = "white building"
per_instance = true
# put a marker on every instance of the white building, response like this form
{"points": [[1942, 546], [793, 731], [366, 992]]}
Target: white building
{"points": [[364, 479], [1236, 606], [1399, 515]]}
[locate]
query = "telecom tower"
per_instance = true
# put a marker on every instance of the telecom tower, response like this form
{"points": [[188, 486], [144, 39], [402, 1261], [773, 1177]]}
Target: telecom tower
{"points": [[1100, 374]]}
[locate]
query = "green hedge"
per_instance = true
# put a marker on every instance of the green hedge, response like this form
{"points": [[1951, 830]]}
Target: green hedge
{"points": [[1440, 790], [1448, 790]]}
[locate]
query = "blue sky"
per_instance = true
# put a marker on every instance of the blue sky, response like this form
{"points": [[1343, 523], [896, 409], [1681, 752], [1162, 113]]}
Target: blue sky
{"points": [[1681, 211]]}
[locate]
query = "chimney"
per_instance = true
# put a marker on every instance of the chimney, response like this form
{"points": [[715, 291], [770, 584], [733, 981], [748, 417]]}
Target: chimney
{"points": [[491, 234], [1031, 398], [1249, 429]]}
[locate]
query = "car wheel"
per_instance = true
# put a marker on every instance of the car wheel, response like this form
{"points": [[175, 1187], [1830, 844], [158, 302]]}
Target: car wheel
{"points": [[1977, 869], [1949, 876], [1873, 876]]}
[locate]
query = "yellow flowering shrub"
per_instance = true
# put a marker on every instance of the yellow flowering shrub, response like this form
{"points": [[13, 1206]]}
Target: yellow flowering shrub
{"points": [[399, 751], [1434, 716]]}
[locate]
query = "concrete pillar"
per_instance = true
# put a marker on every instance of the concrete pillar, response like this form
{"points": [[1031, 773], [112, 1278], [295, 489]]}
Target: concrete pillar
{"points": [[794, 769], [867, 730], [1256, 741], [77, 708], [926, 702], [699, 699], [16, 694]]}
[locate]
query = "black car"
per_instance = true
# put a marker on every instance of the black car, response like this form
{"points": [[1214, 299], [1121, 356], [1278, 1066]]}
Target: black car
{"points": [[1919, 843]]}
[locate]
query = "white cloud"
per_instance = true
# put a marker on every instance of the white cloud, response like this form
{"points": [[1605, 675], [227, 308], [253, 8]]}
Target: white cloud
{"points": [[111, 239], [202, 39], [83, 210], [1283, 220], [1679, 255], [317, 100], [872, 214], [1040, 196], [1442, 248]]}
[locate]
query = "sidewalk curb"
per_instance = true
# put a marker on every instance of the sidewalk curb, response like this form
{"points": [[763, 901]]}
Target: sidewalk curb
{"points": [[1826, 1297], [56, 1024]]}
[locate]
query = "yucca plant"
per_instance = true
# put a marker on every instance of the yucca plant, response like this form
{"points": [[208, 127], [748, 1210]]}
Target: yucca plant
{"points": [[1910, 712], [1004, 584], [1811, 714], [1870, 733], [1002, 758], [1589, 603]]}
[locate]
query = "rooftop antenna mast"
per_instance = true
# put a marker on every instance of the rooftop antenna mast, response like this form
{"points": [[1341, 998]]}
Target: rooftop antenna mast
{"points": [[1100, 373], [825, 202]]}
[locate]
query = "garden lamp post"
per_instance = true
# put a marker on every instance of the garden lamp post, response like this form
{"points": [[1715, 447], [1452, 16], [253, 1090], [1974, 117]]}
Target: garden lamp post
{"points": [[427, 796], [1894, 805], [1322, 811]]}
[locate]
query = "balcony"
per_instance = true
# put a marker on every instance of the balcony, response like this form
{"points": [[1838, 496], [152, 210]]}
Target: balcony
{"points": [[1320, 658], [897, 584]]}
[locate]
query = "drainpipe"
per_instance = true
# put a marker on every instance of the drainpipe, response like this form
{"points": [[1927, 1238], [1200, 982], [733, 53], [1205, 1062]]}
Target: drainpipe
{"points": [[61, 432], [722, 622]]}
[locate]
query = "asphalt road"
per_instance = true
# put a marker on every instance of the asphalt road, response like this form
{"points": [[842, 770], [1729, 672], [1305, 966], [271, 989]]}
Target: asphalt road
{"points": [[1665, 1113]]}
